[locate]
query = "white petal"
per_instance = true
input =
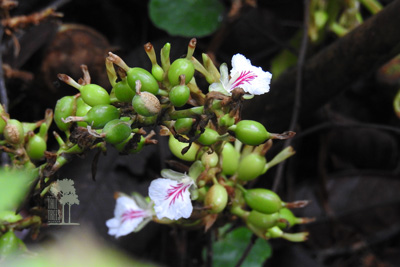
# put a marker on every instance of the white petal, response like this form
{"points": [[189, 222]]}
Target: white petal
{"points": [[128, 226], [113, 223], [124, 203], [251, 79], [171, 198], [127, 217]]}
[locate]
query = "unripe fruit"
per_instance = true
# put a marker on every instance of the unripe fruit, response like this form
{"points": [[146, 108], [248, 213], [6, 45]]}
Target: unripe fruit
{"points": [[123, 92], [263, 221], [179, 67], [226, 120], [210, 159], [14, 132], [149, 83], [81, 110], [250, 132], [251, 166], [208, 137], [146, 104], [9, 244], [179, 95], [176, 148], [35, 147], [263, 200], [65, 107], [122, 147], [230, 159], [183, 125], [99, 115], [216, 198], [94, 95], [287, 215], [116, 131]]}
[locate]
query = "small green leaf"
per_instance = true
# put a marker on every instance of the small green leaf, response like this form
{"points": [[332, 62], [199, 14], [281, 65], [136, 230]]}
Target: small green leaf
{"points": [[229, 249], [189, 18]]}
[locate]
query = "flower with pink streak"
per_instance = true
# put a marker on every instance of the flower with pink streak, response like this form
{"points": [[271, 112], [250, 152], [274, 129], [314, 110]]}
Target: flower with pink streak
{"points": [[128, 217], [253, 80], [172, 197]]}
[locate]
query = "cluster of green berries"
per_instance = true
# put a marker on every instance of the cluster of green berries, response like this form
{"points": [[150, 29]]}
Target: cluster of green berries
{"points": [[204, 129]]}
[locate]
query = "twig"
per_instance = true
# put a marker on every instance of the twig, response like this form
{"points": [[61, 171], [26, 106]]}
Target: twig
{"points": [[298, 90]]}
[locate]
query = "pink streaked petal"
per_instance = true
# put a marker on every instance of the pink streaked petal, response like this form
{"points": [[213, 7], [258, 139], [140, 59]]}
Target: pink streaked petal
{"points": [[244, 77], [171, 198]]}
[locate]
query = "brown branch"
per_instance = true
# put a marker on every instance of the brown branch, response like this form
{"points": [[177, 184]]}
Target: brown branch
{"points": [[332, 70]]}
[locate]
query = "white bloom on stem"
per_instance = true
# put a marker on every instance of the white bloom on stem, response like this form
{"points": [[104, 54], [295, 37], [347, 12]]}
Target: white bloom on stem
{"points": [[127, 217], [171, 197], [253, 80]]}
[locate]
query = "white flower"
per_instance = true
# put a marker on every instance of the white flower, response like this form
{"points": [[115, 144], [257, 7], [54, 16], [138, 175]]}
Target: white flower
{"points": [[128, 217], [253, 80], [172, 197]]}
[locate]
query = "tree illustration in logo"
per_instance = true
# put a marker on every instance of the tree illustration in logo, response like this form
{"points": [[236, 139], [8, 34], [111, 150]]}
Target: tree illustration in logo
{"points": [[64, 190]]}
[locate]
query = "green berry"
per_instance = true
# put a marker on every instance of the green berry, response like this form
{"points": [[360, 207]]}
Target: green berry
{"points": [[116, 131], [14, 132], [210, 159], [251, 166], [208, 137], [230, 159], [149, 83], [216, 198], [262, 221], [65, 107], [183, 125], [99, 115], [287, 215], [250, 132], [123, 92], [226, 120], [9, 244], [181, 66], [179, 95], [81, 110], [146, 104], [129, 147], [176, 148], [35, 147], [94, 95], [263, 200]]}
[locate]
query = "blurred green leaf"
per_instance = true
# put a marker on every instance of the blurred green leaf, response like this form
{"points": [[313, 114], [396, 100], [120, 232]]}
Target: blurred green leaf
{"points": [[14, 184], [229, 249], [188, 18]]}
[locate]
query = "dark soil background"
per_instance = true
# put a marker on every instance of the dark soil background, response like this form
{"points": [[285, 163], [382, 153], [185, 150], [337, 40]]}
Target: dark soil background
{"points": [[347, 160]]}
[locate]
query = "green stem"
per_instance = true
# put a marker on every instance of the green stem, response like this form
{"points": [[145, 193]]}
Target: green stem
{"points": [[372, 5], [186, 113]]}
